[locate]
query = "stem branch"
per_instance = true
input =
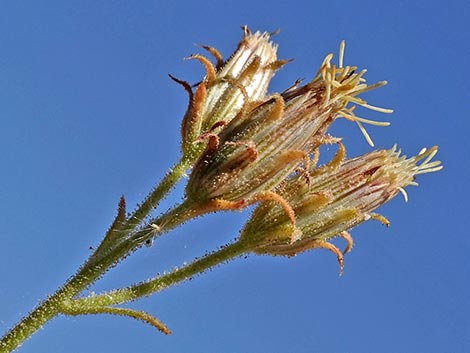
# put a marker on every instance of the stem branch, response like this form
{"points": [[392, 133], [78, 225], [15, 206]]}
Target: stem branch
{"points": [[156, 284], [157, 194], [94, 267]]}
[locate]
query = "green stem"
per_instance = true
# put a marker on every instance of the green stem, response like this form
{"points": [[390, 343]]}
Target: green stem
{"points": [[29, 325], [188, 209], [159, 283], [61, 301], [124, 246], [95, 266], [157, 194], [44, 312]]}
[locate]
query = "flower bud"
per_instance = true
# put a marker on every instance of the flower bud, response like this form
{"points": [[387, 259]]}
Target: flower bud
{"points": [[337, 197], [228, 86]]}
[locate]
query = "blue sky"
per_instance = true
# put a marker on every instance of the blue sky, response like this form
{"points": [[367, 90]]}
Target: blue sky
{"points": [[88, 113]]}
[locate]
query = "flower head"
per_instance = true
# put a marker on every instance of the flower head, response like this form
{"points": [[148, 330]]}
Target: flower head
{"points": [[339, 196], [228, 86], [268, 140]]}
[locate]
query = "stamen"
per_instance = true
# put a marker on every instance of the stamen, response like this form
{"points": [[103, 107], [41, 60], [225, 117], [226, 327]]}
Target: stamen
{"points": [[335, 84], [332, 74], [432, 153], [327, 78], [341, 53], [353, 79], [327, 60], [429, 170], [426, 165], [365, 88], [342, 85], [325, 64], [362, 103], [403, 192], [344, 74], [364, 132], [354, 117], [377, 109]]}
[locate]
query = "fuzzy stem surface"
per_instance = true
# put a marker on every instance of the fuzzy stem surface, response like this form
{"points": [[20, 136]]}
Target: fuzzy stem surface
{"points": [[159, 283], [95, 266]]}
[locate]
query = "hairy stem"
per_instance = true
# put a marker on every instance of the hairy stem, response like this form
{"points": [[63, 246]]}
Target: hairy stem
{"points": [[96, 266], [30, 324], [157, 194], [158, 283]]}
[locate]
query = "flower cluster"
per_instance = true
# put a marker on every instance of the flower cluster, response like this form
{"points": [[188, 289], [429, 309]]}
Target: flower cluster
{"points": [[260, 139], [246, 146], [260, 147]]}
